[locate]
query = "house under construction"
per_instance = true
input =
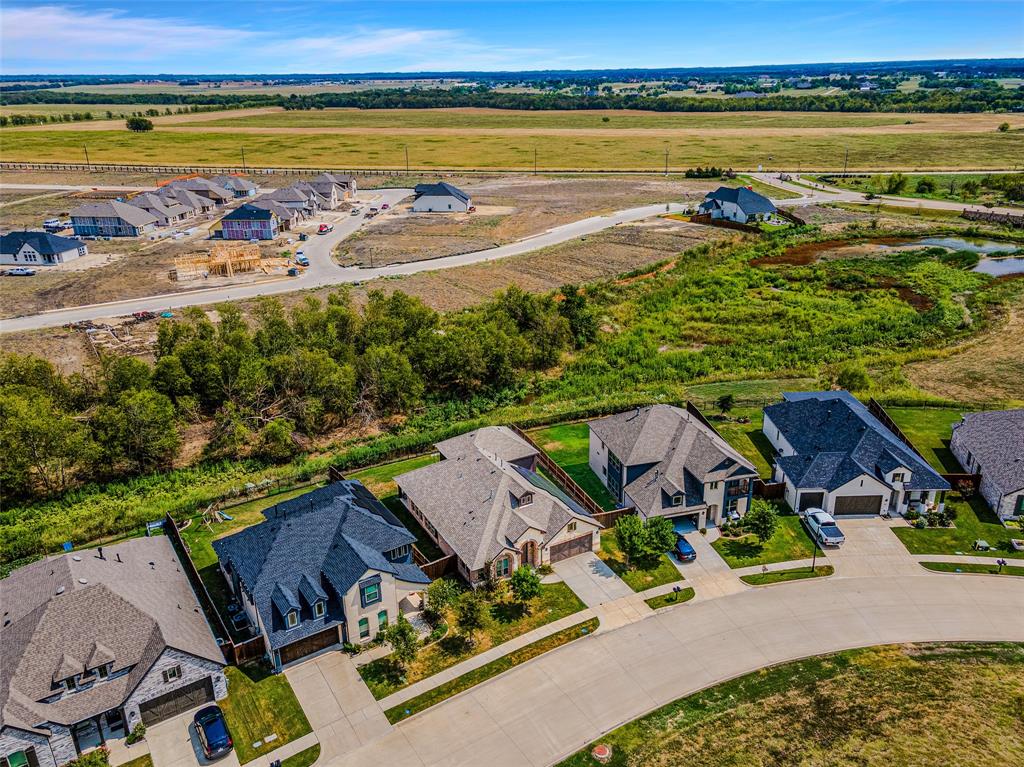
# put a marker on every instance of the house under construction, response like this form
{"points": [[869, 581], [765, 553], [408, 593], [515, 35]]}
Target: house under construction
{"points": [[222, 260]]}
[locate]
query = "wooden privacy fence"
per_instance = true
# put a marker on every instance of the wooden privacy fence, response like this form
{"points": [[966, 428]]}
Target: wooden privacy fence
{"points": [[567, 483], [792, 217], [879, 412], [770, 491], [609, 518]]}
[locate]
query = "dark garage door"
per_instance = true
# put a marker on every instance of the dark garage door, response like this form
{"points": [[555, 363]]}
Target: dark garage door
{"points": [[811, 500], [571, 548], [858, 504], [309, 645], [176, 701]]}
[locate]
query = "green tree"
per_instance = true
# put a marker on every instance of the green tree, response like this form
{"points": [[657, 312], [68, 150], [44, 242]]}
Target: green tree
{"points": [[970, 188], [581, 317], [1004, 127], [138, 124], [925, 186], [762, 519], [405, 643], [231, 433], [469, 615], [441, 594], [895, 183], [661, 536], [275, 443], [853, 376], [122, 373], [138, 431], [388, 379], [169, 378], [631, 536], [525, 585], [725, 403]]}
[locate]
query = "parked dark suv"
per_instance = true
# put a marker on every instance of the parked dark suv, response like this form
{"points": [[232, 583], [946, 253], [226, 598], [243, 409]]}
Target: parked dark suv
{"points": [[213, 732]]}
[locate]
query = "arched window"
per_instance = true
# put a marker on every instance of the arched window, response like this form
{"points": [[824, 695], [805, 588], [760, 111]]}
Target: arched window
{"points": [[503, 566]]}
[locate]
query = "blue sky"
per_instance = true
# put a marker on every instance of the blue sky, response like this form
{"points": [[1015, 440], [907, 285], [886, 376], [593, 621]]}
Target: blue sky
{"points": [[282, 36]]}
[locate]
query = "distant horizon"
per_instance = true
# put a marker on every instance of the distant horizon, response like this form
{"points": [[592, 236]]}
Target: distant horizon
{"points": [[125, 37]]}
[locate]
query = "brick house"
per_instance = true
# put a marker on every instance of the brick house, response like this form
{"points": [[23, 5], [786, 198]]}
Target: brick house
{"points": [[992, 444]]}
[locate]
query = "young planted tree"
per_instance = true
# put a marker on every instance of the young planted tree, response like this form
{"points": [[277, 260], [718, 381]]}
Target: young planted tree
{"points": [[661, 536], [525, 585], [469, 616], [405, 644], [631, 537], [441, 594], [725, 403], [762, 519]]}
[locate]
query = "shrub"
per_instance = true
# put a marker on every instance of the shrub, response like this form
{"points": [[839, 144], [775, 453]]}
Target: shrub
{"points": [[920, 524], [1004, 127], [925, 186], [913, 515], [138, 733]]}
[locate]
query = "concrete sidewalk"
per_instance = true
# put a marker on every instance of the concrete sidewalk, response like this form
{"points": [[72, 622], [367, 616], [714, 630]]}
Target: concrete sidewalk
{"points": [[557, 703]]}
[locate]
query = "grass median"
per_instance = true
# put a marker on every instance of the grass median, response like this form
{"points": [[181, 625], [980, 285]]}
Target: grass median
{"points": [[671, 598], [968, 567], [781, 576], [485, 672]]}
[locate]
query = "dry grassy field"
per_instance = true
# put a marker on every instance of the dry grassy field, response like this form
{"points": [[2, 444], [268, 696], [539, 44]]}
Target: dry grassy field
{"points": [[508, 139]]}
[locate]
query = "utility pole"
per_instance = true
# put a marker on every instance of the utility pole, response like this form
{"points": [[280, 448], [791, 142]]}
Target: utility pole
{"points": [[666, 161], [535, 161], [846, 160], [407, 159], [87, 163], [243, 160]]}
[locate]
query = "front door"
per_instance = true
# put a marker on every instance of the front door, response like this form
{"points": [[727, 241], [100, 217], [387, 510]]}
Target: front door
{"points": [[528, 554], [87, 735]]}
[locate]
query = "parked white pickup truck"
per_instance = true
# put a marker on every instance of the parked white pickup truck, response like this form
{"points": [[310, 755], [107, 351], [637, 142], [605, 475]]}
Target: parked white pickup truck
{"points": [[822, 527]]}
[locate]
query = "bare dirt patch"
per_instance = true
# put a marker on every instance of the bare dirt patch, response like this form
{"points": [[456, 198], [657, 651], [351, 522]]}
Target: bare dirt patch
{"points": [[987, 369]]}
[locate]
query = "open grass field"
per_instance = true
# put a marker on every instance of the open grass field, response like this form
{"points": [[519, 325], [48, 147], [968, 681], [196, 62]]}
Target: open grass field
{"points": [[957, 141], [99, 111], [948, 186], [876, 707]]}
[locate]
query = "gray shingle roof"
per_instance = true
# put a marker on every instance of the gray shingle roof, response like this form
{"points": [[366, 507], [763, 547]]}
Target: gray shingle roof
{"points": [[250, 213], [331, 536], [996, 439], [204, 187], [836, 439], [681, 453], [469, 495], [236, 183], [114, 209], [441, 189], [75, 611], [748, 201], [41, 242]]}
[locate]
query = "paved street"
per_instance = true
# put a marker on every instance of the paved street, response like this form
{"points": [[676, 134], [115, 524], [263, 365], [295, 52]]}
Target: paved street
{"points": [[547, 708]]}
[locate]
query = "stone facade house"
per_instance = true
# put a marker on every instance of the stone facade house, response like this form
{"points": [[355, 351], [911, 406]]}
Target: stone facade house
{"points": [[992, 444], [833, 454], [96, 641], [331, 566], [486, 503], [667, 462]]}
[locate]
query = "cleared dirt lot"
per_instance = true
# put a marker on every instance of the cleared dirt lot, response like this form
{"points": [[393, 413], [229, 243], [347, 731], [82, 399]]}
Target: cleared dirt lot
{"points": [[508, 209]]}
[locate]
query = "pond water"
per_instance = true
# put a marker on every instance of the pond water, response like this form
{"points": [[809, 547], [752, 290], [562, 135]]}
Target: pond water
{"points": [[982, 247], [995, 258], [999, 267]]}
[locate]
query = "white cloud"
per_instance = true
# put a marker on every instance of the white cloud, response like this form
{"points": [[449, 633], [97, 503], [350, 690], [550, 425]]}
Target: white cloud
{"points": [[66, 39]]}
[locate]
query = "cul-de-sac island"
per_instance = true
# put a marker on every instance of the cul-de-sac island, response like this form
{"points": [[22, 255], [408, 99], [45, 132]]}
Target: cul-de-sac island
{"points": [[509, 399]]}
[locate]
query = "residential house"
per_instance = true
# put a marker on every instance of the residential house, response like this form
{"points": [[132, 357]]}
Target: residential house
{"points": [[668, 462], [286, 217], [486, 503], [204, 188], [833, 454], [337, 188], [305, 200], [96, 641], [39, 249], [740, 204], [326, 198], [167, 212], [177, 196], [111, 218], [248, 222], [992, 444], [238, 186], [440, 198], [333, 565]]}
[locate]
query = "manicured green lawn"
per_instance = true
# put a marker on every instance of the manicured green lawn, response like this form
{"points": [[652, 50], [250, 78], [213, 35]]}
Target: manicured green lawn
{"points": [[569, 447], [260, 704], [789, 542], [889, 706], [974, 521], [930, 429], [641, 575], [503, 621], [140, 761], [747, 438], [380, 480], [781, 576], [304, 758], [671, 598], [485, 672], [968, 567]]}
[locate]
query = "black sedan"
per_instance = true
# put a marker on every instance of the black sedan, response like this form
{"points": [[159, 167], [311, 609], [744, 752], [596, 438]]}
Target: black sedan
{"points": [[213, 732]]}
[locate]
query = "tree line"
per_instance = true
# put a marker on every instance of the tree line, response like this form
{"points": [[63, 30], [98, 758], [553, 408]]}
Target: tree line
{"points": [[923, 100], [265, 385]]}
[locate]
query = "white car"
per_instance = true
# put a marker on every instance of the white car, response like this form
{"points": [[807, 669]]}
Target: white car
{"points": [[823, 528], [21, 271]]}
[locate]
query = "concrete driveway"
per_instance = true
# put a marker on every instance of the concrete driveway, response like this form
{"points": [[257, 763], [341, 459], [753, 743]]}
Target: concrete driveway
{"points": [[871, 548], [591, 579], [547, 708], [709, 574], [174, 743], [340, 708]]}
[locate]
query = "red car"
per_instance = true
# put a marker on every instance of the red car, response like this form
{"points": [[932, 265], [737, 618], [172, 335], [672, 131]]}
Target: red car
{"points": [[385, 206], [325, 228]]}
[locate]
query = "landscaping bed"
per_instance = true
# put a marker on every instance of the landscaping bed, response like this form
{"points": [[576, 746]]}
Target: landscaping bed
{"points": [[671, 598], [781, 576], [933, 704], [789, 542], [504, 619], [485, 672], [639, 575], [259, 704]]}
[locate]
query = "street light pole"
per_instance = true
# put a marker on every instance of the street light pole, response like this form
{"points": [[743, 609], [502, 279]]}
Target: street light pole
{"points": [[87, 163], [535, 161], [243, 160], [407, 159]]}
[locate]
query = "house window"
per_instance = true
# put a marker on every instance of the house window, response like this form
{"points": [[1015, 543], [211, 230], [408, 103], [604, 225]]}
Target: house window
{"points": [[292, 619], [677, 500], [318, 609], [364, 628], [103, 671], [897, 476], [382, 619], [502, 567], [571, 527], [172, 674], [713, 486], [525, 499], [370, 593]]}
